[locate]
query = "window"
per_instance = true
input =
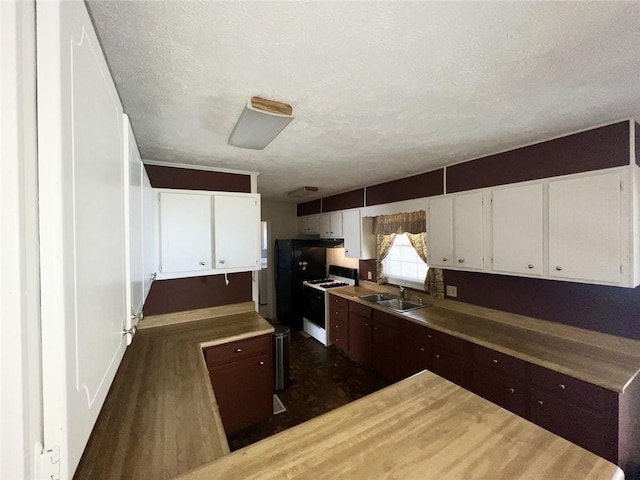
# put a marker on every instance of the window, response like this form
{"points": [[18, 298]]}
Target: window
{"points": [[403, 265]]}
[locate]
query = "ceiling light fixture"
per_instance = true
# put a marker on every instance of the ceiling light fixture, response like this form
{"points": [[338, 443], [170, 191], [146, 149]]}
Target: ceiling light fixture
{"points": [[260, 122], [302, 192]]}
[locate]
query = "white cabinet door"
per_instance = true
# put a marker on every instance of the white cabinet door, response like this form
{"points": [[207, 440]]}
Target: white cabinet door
{"points": [[324, 225], [148, 233], [237, 231], [185, 232], [81, 173], [467, 230], [440, 231], [517, 226], [313, 226], [135, 259], [336, 225], [584, 228], [352, 233], [302, 225]]}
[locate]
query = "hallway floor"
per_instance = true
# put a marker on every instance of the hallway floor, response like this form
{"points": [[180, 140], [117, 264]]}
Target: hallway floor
{"points": [[322, 379]]}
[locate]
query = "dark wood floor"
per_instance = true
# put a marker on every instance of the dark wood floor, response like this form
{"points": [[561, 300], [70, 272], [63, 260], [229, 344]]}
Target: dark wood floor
{"points": [[322, 379]]}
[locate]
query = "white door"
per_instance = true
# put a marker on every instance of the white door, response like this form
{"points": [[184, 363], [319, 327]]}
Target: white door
{"points": [[185, 232], [584, 228], [440, 232], [82, 227], [336, 225], [148, 234], [135, 225], [237, 231], [352, 233], [467, 230], [517, 214]]}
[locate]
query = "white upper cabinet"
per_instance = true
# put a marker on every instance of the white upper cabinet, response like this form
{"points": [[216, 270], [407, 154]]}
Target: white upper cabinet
{"points": [[455, 230], [185, 232], [585, 228], [440, 231], [236, 231], [468, 230], [331, 225], [517, 229], [308, 225], [148, 233]]}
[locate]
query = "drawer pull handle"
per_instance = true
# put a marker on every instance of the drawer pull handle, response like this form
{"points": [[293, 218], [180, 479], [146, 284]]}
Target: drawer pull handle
{"points": [[530, 265], [422, 349], [562, 386], [437, 355], [512, 390], [495, 360], [366, 324], [337, 326], [540, 402], [429, 336], [260, 362], [238, 350]]}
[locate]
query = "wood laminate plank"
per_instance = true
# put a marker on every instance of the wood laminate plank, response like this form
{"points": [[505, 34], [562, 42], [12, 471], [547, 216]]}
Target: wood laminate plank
{"points": [[423, 427], [160, 417], [601, 359]]}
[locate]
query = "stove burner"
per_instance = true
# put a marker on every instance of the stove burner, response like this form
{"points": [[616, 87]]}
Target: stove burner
{"points": [[321, 280], [334, 284]]}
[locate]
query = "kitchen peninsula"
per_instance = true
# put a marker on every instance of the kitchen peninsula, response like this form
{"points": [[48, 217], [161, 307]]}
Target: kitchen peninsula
{"points": [[161, 420]]}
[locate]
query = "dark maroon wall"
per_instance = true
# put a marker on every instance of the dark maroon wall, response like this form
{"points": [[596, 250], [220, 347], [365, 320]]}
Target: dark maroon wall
{"points": [[308, 208], [343, 201], [417, 186], [605, 309], [366, 266], [595, 149], [188, 179], [181, 294], [637, 129]]}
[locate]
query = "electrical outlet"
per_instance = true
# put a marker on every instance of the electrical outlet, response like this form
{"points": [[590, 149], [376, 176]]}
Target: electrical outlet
{"points": [[368, 275], [452, 291]]}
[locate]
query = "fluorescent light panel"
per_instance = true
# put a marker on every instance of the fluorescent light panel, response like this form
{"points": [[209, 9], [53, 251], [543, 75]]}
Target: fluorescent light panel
{"points": [[260, 122]]}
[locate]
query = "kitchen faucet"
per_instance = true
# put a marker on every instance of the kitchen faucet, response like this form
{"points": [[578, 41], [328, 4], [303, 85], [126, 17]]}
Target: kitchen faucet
{"points": [[401, 292]]}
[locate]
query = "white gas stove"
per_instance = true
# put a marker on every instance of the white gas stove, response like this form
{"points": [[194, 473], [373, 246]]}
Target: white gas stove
{"points": [[316, 300]]}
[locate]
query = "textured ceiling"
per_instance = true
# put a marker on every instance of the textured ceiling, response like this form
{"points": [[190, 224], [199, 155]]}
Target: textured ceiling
{"points": [[380, 90]]}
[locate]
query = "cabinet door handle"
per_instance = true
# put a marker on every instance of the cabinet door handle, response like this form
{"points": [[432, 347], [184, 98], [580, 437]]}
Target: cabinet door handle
{"points": [[558, 268], [461, 260], [445, 259], [375, 328], [221, 262], [366, 324], [540, 402], [337, 326], [562, 386], [495, 360], [202, 263], [437, 355], [238, 350], [530, 265], [260, 363], [429, 336], [422, 349], [512, 390]]}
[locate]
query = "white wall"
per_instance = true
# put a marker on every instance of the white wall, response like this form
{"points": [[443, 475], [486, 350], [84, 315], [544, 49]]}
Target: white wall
{"points": [[20, 364], [336, 256], [281, 223]]}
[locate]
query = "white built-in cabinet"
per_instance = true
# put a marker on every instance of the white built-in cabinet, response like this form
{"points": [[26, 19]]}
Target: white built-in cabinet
{"points": [[584, 228], [148, 233], [359, 240], [575, 228], [331, 225], [203, 233], [455, 228], [308, 225], [517, 229]]}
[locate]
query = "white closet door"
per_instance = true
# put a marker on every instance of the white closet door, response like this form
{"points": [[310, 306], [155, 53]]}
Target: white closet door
{"points": [[467, 230], [185, 232], [82, 227], [584, 228], [237, 231], [440, 232], [148, 233], [517, 214]]}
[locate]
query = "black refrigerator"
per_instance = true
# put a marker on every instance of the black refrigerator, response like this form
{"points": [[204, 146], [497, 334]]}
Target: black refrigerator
{"points": [[296, 261]]}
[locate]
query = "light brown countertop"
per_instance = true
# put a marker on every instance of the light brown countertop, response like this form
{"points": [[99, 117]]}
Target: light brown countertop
{"points": [[605, 360], [160, 417], [423, 428]]}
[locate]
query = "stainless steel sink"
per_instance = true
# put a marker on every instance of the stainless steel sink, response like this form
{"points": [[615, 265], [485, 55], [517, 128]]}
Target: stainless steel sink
{"points": [[399, 304], [378, 297]]}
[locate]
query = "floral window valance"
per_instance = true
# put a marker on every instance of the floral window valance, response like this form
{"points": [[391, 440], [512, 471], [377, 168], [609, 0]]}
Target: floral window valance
{"points": [[413, 222]]}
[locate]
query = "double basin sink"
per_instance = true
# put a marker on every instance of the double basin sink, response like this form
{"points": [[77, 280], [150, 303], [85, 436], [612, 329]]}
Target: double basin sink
{"points": [[392, 302]]}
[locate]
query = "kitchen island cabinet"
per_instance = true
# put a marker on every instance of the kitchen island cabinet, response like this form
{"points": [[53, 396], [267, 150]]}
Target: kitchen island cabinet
{"points": [[387, 345], [360, 331]]}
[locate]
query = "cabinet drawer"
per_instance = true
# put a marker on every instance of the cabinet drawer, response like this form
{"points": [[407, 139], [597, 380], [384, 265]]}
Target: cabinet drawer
{"points": [[361, 310], [503, 390], [413, 330], [597, 432], [339, 302], [574, 391], [387, 319], [340, 339], [234, 351], [339, 325], [449, 343], [499, 361], [450, 366], [337, 314]]}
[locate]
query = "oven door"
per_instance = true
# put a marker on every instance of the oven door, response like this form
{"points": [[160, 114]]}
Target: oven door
{"points": [[313, 305]]}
